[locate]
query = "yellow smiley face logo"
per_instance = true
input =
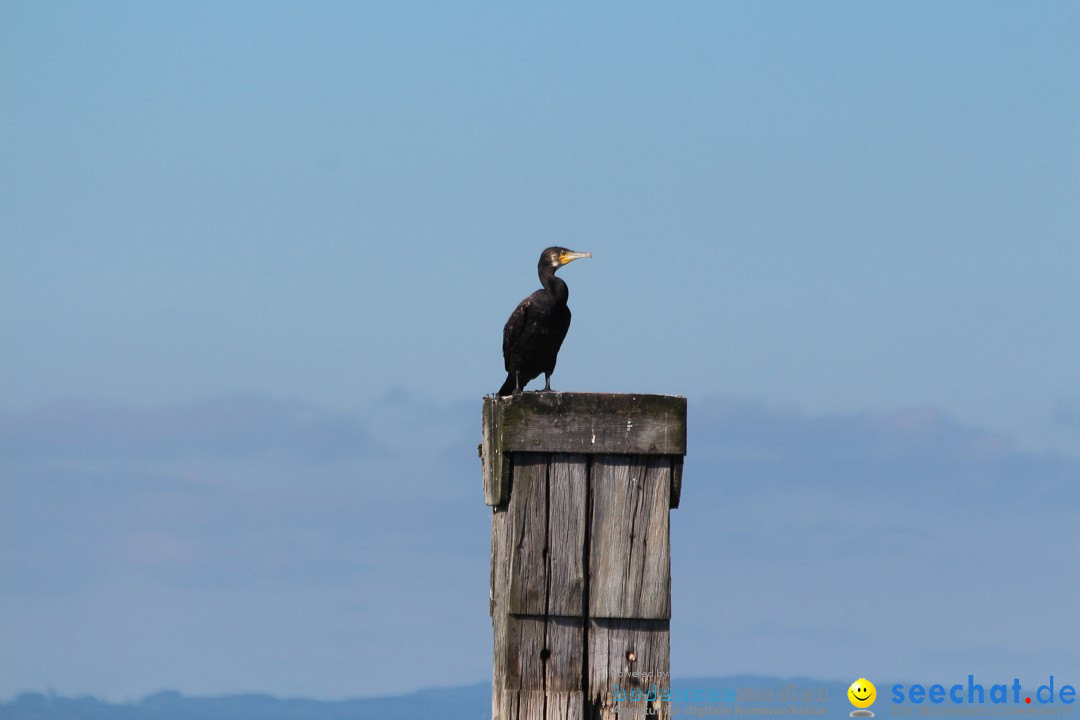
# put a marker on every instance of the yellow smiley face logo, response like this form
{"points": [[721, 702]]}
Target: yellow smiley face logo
{"points": [[862, 693]]}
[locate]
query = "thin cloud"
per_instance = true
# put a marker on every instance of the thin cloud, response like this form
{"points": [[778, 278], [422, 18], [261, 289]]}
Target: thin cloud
{"points": [[242, 503], [233, 427], [902, 451]]}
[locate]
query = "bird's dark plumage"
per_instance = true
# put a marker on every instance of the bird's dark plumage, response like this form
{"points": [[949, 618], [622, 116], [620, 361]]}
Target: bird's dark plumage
{"points": [[536, 329]]}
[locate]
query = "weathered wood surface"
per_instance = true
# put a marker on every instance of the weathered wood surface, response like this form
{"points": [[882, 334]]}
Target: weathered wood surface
{"points": [[635, 656], [530, 569], [626, 672], [547, 535], [567, 516], [542, 536], [538, 705], [492, 455], [580, 577], [629, 557], [584, 423], [537, 657], [543, 652]]}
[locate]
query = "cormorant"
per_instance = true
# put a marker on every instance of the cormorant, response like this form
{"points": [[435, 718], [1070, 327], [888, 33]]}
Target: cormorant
{"points": [[536, 329]]}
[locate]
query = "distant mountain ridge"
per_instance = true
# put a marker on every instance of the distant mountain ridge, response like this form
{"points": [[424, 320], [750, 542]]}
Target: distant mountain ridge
{"points": [[458, 703], [469, 702]]}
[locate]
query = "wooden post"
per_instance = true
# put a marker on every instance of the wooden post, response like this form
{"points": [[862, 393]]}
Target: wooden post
{"points": [[580, 487]]}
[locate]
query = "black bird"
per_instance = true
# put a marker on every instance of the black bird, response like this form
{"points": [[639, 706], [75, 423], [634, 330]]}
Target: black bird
{"points": [[536, 329]]}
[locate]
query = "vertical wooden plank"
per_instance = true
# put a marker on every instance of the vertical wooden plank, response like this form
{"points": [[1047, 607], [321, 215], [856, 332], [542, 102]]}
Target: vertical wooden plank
{"points": [[565, 657], [538, 541], [547, 530], [544, 653], [490, 454], [524, 648], [565, 706], [500, 559], [500, 583], [629, 563], [528, 534], [619, 648], [542, 656], [536, 705], [493, 454], [567, 503]]}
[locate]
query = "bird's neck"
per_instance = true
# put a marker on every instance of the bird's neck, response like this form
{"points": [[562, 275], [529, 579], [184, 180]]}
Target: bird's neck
{"points": [[554, 284]]}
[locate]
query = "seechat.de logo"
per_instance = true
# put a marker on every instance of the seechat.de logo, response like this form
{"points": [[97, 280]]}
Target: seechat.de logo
{"points": [[974, 693]]}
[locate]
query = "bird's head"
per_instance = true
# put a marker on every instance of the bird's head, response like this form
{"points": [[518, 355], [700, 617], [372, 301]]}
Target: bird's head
{"points": [[556, 257]]}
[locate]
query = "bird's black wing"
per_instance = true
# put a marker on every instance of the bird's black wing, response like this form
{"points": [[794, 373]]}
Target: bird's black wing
{"points": [[514, 328], [560, 326]]}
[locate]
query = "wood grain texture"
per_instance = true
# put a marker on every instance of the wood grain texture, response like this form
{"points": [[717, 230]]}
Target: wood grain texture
{"points": [[537, 705], [547, 531], [528, 535], [581, 486], [629, 561], [567, 505], [544, 653], [500, 559], [500, 584], [582, 423], [619, 648], [496, 468], [541, 656]]}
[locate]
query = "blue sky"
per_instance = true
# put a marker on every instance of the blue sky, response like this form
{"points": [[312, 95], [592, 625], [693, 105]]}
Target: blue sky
{"points": [[253, 253]]}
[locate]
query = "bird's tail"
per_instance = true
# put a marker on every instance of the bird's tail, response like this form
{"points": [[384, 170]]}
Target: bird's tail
{"points": [[508, 386]]}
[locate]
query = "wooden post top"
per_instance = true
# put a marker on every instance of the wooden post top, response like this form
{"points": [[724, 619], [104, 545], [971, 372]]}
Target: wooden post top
{"points": [[582, 423], [589, 423]]}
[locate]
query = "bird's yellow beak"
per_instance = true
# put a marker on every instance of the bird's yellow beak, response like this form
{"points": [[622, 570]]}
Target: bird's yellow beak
{"points": [[567, 257]]}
